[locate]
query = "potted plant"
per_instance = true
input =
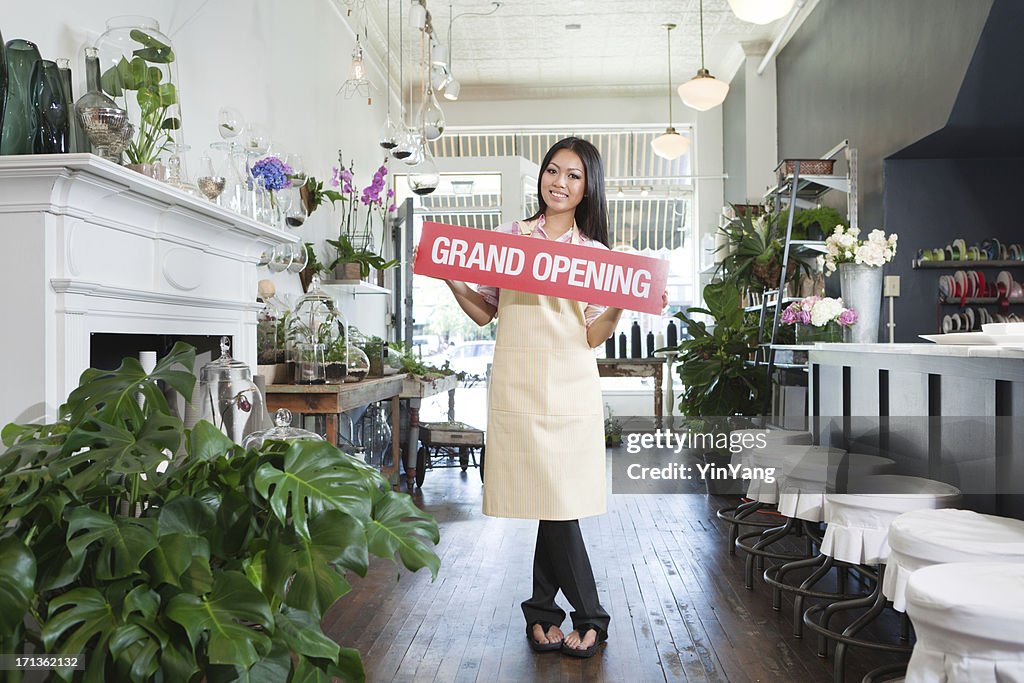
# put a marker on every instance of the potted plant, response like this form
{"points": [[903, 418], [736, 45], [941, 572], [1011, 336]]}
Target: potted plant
{"points": [[812, 224], [313, 194], [755, 251], [354, 246], [148, 74], [612, 429], [374, 349], [217, 563], [313, 267], [336, 360], [712, 364]]}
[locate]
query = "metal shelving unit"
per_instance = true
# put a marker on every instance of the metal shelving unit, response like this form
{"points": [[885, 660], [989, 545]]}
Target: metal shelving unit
{"points": [[802, 191]]}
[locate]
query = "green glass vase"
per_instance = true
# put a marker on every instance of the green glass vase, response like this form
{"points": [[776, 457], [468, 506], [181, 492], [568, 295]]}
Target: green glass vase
{"points": [[53, 125], [19, 128]]}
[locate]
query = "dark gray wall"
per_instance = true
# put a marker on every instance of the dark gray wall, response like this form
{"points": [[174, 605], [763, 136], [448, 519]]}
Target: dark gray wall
{"points": [[881, 73], [734, 139]]}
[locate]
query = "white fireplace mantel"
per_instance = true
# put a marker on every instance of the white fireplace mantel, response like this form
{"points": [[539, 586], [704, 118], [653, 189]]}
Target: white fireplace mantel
{"points": [[90, 247]]}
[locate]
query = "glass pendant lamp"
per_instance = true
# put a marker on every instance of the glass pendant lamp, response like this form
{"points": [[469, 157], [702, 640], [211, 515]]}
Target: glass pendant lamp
{"points": [[703, 91], [670, 145], [761, 11]]}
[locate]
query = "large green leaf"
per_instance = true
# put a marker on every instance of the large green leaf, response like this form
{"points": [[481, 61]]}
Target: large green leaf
{"points": [[135, 645], [182, 525], [114, 392], [97, 449], [206, 443], [81, 621], [17, 583], [398, 525], [317, 477], [302, 633], [153, 50], [227, 616], [123, 541], [309, 572]]}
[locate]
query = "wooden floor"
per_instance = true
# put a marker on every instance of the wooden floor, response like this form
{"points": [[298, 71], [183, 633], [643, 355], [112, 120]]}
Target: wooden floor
{"points": [[679, 609]]}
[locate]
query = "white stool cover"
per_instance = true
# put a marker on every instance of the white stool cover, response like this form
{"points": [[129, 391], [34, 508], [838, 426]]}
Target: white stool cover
{"points": [[778, 445], [922, 538], [969, 621], [809, 472], [858, 523]]}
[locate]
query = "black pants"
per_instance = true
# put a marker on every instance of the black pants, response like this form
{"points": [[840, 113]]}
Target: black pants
{"points": [[560, 561]]}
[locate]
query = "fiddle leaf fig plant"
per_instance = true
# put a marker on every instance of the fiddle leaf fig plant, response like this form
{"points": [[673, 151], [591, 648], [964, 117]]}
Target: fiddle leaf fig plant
{"points": [[147, 74], [165, 554]]}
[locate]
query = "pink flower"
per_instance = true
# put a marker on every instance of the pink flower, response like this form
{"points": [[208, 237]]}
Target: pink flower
{"points": [[847, 317], [791, 314]]}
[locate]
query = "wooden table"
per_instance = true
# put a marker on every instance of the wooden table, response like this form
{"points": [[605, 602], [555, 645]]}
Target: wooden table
{"points": [[331, 400], [639, 367]]}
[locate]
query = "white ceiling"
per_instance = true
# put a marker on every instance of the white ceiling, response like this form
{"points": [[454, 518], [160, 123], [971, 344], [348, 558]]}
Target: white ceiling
{"points": [[523, 49]]}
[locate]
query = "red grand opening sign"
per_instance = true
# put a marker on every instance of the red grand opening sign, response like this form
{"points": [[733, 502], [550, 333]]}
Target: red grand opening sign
{"points": [[527, 264]]}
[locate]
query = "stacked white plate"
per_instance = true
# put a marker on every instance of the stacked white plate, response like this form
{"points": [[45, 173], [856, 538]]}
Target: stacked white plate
{"points": [[992, 334]]}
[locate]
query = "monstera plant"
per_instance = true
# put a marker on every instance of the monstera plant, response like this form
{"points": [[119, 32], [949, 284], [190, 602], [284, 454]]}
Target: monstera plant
{"points": [[163, 554]]}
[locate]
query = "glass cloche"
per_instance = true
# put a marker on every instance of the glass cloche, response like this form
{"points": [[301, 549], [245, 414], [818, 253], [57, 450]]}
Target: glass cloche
{"points": [[318, 326], [230, 399], [281, 431]]}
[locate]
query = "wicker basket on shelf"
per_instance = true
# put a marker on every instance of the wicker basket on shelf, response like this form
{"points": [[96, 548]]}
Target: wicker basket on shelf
{"points": [[807, 167]]}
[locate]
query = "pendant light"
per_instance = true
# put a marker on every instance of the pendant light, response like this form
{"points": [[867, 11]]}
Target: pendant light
{"points": [[389, 133], [431, 117], [423, 176], [671, 144], [703, 91], [417, 14], [761, 11]]}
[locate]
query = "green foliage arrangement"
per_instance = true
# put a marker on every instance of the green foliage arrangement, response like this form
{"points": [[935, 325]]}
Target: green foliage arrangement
{"points": [[823, 218], [154, 93], [172, 555], [712, 363], [366, 259], [314, 194], [755, 246]]}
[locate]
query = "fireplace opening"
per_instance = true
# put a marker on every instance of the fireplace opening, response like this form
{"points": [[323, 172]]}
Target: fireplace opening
{"points": [[107, 350]]}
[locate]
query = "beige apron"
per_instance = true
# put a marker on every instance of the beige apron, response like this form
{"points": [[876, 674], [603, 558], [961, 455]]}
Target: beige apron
{"points": [[545, 419]]}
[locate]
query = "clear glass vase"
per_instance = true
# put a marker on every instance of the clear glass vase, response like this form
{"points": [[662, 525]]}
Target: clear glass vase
{"points": [[140, 73], [808, 334]]}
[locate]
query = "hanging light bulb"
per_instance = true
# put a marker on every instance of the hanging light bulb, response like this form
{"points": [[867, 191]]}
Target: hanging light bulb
{"points": [[357, 82], [423, 177], [703, 91], [761, 11], [671, 144], [431, 117]]}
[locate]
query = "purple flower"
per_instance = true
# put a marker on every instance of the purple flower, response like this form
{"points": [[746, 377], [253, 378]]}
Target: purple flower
{"points": [[847, 317], [335, 176], [274, 173], [791, 314]]}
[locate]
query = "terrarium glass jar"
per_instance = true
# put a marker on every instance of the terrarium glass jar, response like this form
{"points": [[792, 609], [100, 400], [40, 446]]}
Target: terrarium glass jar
{"points": [[140, 72], [281, 431], [231, 401], [316, 327]]}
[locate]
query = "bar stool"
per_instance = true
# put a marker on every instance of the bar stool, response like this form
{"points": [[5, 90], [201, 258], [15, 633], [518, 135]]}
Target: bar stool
{"points": [[761, 494], [857, 533], [807, 477], [797, 461], [969, 622], [923, 538]]}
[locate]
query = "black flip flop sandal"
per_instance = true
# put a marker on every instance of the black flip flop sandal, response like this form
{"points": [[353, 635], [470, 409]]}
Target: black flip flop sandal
{"points": [[541, 647], [590, 651]]}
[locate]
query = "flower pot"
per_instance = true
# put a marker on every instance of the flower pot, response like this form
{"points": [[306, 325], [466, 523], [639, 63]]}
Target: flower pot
{"points": [[154, 171], [349, 271], [861, 287], [808, 334]]}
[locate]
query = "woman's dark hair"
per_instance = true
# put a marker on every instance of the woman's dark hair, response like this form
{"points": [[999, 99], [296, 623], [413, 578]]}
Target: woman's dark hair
{"points": [[592, 212]]}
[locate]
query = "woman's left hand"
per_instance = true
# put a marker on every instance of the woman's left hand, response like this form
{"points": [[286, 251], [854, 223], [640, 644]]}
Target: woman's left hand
{"points": [[664, 300]]}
